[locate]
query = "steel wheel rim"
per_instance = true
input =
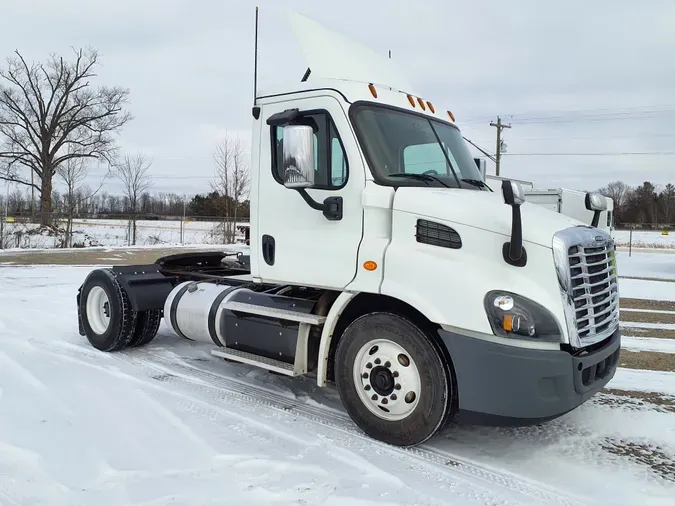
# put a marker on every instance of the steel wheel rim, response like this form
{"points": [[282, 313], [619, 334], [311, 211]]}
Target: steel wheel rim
{"points": [[387, 379], [98, 310]]}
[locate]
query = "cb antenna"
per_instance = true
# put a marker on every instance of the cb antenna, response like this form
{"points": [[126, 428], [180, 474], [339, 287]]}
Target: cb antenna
{"points": [[255, 60]]}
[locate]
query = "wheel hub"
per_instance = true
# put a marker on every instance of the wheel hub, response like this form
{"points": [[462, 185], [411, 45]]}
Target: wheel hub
{"points": [[387, 379], [382, 381]]}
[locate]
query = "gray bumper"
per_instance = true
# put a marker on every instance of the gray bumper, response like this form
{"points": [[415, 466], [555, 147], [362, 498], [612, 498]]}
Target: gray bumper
{"points": [[505, 385]]}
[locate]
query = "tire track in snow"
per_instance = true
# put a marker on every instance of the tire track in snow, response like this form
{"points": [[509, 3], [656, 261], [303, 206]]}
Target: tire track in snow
{"points": [[21, 372], [342, 423]]}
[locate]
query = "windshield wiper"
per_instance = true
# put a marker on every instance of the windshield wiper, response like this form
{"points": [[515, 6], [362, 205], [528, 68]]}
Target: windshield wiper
{"points": [[478, 183], [421, 177]]}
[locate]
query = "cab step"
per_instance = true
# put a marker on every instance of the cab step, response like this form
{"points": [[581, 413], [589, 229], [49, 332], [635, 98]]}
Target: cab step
{"points": [[256, 360], [273, 312]]}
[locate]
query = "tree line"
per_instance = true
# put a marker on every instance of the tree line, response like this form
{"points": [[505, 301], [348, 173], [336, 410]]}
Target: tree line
{"points": [[54, 123], [643, 206]]}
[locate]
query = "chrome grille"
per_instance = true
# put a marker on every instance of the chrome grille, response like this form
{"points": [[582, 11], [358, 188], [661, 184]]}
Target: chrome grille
{"points": [[586, 265], [594, 288]]}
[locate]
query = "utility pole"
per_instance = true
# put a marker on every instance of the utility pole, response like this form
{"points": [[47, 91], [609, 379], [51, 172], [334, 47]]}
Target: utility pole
{"points": [[500, 126]]}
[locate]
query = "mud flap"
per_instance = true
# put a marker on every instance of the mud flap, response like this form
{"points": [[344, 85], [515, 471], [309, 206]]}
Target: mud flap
{"points": [[145, 285]]}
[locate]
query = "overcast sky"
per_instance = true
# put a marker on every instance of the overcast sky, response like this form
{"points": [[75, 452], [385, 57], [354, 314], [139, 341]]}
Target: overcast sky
{"points": [[571, 77]]}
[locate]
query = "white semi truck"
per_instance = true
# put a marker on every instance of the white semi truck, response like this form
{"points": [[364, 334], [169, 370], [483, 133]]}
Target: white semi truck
{"points": [[381, 262]]}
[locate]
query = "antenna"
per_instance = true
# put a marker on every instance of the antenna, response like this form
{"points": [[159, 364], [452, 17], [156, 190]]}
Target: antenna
{"points": [[390, 54], [255, 63]]}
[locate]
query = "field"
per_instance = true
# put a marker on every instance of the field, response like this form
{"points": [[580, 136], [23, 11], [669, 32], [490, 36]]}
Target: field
{"points": [[170, 424], [116, 233]]}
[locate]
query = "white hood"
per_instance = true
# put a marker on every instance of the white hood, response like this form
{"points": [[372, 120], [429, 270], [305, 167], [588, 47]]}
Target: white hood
{"points": [[331, 55], [484, 210]]}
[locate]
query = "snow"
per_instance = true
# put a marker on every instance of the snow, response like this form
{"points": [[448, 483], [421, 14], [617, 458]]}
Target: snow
{"points": [[637, 343], [647, 265], [170, 424], [642, 289], [644, 239], [99, 232]]}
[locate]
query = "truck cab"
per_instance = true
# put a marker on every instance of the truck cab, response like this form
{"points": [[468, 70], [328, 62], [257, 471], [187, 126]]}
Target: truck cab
{"points": [[380, 261]]}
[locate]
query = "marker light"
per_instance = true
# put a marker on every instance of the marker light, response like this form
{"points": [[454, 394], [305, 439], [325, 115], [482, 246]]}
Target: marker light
{"points": [[452, 116], [431, 107], [411, 100], [421, 102], [372, 89]]}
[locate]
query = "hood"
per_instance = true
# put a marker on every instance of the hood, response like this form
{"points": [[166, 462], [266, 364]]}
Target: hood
{"points": [[481, 209]]}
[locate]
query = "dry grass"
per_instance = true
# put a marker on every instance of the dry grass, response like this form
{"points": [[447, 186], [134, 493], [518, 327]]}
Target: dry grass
{"points": [[647, 360], [660, 305], [639, 317]]}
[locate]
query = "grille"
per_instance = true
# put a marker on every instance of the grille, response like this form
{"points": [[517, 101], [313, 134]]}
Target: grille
{"points": [[429, 232], [594, 289]]}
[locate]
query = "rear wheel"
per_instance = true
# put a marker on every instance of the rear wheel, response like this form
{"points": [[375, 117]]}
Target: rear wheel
{"points": [[106, 315], [147, 325], [392, 380]]}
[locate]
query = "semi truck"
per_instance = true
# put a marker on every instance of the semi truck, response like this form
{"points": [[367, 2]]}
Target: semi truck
{"points": [[380, 263]]}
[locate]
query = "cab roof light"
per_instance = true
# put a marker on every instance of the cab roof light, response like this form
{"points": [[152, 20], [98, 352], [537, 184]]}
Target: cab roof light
{"points": [[411, 100], [431, 107], [372, 89], [452, 116], [421, 102]]}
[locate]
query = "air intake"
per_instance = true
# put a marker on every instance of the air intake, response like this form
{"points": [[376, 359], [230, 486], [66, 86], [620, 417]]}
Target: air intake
{"points": [[435, 234]]}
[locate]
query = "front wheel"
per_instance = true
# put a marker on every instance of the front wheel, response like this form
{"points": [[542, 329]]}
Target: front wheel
{"points": [[392, 381]]}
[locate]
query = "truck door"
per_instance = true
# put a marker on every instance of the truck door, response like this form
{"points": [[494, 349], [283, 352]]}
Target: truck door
{"points": [[296, 243]]}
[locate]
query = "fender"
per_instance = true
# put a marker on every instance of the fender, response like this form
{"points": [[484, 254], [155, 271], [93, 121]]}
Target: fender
{"points": [[332, 318]]}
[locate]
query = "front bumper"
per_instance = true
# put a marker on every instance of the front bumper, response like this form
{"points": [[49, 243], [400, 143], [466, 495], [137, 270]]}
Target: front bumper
{"points": [[505, 385]]}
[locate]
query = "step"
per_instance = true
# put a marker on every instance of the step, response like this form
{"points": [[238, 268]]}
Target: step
{"points": [[243, 357], [273, 312]]}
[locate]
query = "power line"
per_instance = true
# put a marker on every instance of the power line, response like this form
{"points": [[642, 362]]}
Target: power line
{"points": [[625, 153]]}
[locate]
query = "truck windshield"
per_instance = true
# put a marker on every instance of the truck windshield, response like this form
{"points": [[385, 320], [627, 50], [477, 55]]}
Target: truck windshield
{"points": [[406, 149]]}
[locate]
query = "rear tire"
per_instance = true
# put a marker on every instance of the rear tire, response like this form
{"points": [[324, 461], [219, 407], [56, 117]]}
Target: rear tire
{"points": [[147, 325], [106, 315], [392, 380]]}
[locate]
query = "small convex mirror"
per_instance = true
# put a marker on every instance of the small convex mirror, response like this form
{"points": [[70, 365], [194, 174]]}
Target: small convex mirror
{"points": [[596, 201], [298, 150], [513, 193]]}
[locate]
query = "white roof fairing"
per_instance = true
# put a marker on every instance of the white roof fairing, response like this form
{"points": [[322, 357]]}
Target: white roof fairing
{"points": [[331, 55]]}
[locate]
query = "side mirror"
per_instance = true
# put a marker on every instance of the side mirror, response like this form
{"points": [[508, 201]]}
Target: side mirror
{"points": [[513, 193], [482, 167], [513, 251], [597, 203], [298, 151]]}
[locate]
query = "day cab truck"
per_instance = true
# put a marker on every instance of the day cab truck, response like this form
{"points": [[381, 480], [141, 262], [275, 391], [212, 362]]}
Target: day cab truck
{"points": [[381, 262]]}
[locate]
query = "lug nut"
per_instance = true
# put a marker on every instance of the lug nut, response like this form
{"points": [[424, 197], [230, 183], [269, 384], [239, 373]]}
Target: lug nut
{"points": [[397, 387], [387, 364], [377, 361], [369, 365], [384, 401], [374, 397], [395, 374], [367, 387], [364, 375], [393, 397]]}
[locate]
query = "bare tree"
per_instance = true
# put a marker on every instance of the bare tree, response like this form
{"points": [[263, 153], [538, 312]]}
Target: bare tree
{"points": [[48, 108], [232, 181], [132, 171], [73, 173]]}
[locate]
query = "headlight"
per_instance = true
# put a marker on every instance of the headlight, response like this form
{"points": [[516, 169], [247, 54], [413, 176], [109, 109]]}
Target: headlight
{"points": [[511, 315]]}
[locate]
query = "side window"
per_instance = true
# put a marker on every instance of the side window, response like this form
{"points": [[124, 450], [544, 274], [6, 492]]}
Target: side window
{"points": [[419, 158], [330, 160]]}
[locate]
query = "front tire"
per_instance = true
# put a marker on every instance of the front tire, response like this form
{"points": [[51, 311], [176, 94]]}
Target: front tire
{"points": [[392, 380], [106, 315]]}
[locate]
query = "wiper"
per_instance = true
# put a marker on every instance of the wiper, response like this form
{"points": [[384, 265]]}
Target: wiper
{"points": [[421, 177], [478, 183]]}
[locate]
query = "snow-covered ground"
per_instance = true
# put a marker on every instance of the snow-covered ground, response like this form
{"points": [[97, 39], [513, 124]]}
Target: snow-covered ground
{"points": [[644, 239], [116, 233], [170, 424]]}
